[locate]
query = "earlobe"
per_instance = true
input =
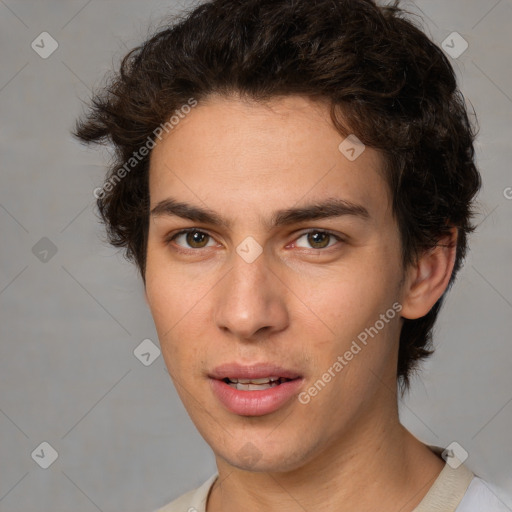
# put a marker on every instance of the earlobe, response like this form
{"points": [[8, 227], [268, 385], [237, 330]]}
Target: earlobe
{"points": [[429, 277]]}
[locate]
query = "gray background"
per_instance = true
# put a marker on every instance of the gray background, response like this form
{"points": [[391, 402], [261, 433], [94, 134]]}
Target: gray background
{"points": [[69, 325]]}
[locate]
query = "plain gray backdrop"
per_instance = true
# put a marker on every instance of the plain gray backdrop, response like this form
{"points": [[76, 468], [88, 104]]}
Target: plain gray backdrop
{"points": [[73, 311]]}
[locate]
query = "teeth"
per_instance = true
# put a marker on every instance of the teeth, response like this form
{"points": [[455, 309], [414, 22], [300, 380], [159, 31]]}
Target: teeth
{"points": [[254, 387], [254, 384], [264, 380]]}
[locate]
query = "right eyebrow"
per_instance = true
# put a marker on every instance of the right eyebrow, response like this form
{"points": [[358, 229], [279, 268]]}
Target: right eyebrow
{"points": [[171, 207]]}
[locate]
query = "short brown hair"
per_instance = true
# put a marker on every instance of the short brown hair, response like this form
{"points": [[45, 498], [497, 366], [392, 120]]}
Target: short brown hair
{"points": [[384, 79]]}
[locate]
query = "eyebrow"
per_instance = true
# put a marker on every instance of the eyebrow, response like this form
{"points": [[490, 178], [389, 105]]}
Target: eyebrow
{"points": [[333, 207]]}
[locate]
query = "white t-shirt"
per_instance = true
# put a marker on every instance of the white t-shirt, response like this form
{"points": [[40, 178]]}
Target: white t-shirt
{"points": [[454, 490], [480, 497]]}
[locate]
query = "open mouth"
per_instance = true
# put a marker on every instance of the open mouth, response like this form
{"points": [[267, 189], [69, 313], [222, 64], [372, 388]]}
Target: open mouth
{"points": [[255, 384], [255, 390]]}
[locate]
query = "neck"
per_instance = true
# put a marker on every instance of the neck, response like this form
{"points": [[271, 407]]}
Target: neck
{"points": [[377, 465]]}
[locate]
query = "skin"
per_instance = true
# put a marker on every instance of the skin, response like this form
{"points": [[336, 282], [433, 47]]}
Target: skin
{"points": [[296, 305]]}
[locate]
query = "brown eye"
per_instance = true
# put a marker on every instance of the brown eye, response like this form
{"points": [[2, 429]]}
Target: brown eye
{"points": [[317, 240], [192, 239]]}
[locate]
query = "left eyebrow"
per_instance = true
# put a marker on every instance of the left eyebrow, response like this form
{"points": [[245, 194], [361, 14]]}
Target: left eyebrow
{"points": [[330, 208], [333, 207]]}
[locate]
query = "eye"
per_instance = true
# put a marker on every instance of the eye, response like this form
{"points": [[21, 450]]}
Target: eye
{"points": [[317, 240], [192, 239]]}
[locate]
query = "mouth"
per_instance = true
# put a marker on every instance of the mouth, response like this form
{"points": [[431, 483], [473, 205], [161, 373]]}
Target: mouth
{"points": [[254, 390]]}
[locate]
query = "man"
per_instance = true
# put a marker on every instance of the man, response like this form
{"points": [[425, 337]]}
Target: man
{"points": [[294, 180]]}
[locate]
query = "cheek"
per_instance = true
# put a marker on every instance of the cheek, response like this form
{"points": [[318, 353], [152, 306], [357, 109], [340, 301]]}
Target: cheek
{"points": [[177, 301], [345, 306], [169, 293], [350, 297]]}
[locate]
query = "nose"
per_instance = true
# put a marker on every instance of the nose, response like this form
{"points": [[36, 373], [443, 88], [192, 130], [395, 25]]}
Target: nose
{"points": [[251, 300]]}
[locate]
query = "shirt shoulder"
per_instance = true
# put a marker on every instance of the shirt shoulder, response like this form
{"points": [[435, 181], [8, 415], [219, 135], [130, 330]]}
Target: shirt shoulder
{"points": [[479, 496], [458, 489], [192, 501]]}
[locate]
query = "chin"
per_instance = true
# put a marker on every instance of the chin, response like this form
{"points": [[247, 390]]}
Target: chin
{"points": [[269, 459]]}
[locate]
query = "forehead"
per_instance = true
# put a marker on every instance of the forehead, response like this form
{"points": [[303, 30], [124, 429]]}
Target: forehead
{"points": [[229, 152]]}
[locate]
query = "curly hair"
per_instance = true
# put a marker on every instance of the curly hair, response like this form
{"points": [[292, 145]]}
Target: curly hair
{"points": [[384, 80]]}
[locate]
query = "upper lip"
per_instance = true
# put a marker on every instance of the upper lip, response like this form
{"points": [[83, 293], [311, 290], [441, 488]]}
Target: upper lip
{"points": [[253, 371]]}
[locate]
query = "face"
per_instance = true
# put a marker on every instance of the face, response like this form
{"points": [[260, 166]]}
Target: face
{"points": [[274, 279]]}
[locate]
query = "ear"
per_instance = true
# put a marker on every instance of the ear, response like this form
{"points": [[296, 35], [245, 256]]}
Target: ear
{"points": [[428, 278]]}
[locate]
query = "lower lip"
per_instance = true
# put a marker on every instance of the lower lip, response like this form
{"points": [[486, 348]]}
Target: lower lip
{"points": [[255, 403]]}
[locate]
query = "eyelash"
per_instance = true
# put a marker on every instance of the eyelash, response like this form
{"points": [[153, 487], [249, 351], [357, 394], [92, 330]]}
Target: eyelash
{"points": [[172, 237]]}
